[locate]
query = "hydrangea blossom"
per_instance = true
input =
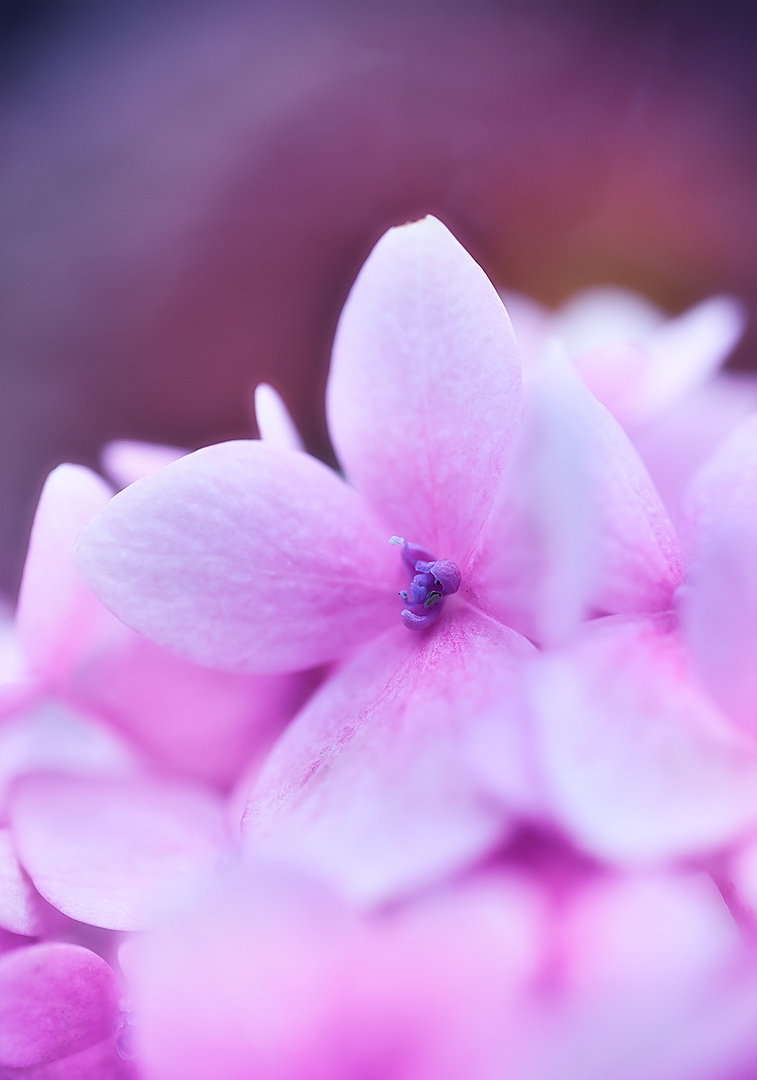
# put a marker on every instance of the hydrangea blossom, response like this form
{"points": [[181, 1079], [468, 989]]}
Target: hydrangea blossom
{"points": [[511, 836]]}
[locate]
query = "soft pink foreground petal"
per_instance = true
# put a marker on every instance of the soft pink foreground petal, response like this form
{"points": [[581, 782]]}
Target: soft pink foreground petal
{"points": [[114, 853], [656, 982], [280, 982], [244, 557], [371, 787], [642, 767], [424, 391], [186, 719], [19, 902], [58, 617], [126, 460], [275, 424], [719, 608], [55, 1000], [578, 528]]}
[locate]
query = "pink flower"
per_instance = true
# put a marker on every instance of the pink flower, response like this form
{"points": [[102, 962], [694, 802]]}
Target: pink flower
{"points": [[248, 557], [119, 696]]}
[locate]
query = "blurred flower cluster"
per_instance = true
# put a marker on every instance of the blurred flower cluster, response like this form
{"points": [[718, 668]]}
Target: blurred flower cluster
{"points": [[442, 766]]}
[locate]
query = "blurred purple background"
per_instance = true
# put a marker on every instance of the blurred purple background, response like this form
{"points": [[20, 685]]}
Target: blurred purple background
{"points": [[189, 189]]}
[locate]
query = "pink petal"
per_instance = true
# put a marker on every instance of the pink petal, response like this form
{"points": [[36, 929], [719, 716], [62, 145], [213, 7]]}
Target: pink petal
{"points": [[641, 766], [282, 982], [244, 557], [126, 460], [578, 528], [605, 315], [640, 375], [676, 444], [19, 903], [98, 1062], [51, 736], [685, 352], [58, 617], [187, 719], [113, 853], [274, 422], [655, 981], [424, 391], [719, 609], [55, 1000], [369, 785]]}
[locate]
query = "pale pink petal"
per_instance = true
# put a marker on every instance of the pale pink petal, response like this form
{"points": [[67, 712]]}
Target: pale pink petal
{"points": [[639, 373], [726, 483], [51, 736], [19, 902], [675, 445], [641, 766], [127, 460], [282, 982], [275, 424], [424, 390], [99, 1062], [655, 982], [685, 352], [605, 315], [532, 325], [55, 1000], [578, 528], [114, 853], [369, 786], [719, 608], [58, 618], [744, 875], [244, 557], [186, 719]]}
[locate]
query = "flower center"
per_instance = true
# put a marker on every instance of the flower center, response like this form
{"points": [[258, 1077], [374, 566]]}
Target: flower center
{"points": [[432, 580]]}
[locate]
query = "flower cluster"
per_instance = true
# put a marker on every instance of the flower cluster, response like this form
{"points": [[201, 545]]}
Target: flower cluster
{"points": [[442, 766]]}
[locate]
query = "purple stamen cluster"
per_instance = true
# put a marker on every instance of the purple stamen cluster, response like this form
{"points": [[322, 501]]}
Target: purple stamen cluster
{"points": [[433, 579]]}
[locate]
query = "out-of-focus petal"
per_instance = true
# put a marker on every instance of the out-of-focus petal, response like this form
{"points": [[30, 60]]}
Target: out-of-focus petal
{"points": [[244, 557], [99, 1062], [677, 443], [127, 460], [641, 766], [283, 983], [275, 424], [55, 1000], [605, 315], [654, 982], [188, 720], [58, 618], [370, 786], [640, 374], [424, 390], [578, 528], [50, 736], [113, 853], [686, 351], [19, 903], [719, 607]]}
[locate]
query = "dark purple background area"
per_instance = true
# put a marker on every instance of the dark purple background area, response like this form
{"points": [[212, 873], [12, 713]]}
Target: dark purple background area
{"points": [[189, 190]]}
